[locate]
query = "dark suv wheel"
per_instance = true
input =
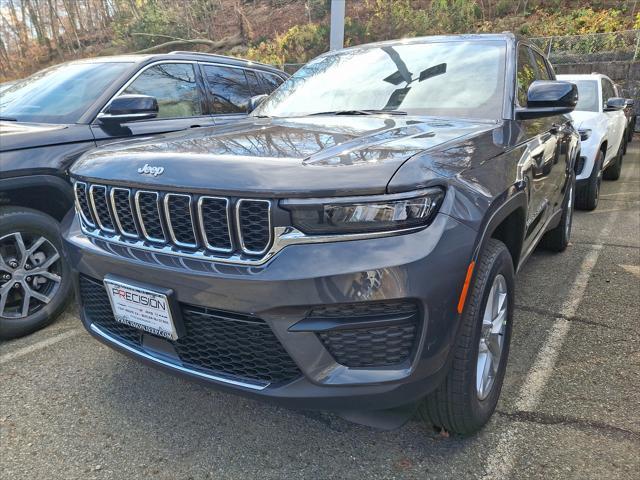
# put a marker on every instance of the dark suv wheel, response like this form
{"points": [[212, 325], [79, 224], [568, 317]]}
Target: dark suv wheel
{"points": [[34, 278], [469, 394]]}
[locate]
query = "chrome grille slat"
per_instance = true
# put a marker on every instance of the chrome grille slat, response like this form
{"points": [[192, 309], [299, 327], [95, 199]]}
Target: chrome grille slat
{"points": [[123, 211], [215, 212], [181, 223], [149, 216], [176, 211], [249, 213], [100, 205], [82, 203]]}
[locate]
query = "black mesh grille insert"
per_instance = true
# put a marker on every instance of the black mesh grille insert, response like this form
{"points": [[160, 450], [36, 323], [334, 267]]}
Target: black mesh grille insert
{"points": [[180, 218], [254, 225], [150, 215], [83, 202], [218, 342], [99, 196], [233, 344], [121, 199], [215, 222], [98, 310], [388, 338]]}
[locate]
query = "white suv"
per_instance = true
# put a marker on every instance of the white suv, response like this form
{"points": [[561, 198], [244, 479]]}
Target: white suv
{"points": [[600, 119]]}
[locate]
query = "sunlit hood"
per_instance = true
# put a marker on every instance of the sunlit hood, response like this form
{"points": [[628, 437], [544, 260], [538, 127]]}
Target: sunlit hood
{"points": [[15, 135], [582, 119], [309, 156]]}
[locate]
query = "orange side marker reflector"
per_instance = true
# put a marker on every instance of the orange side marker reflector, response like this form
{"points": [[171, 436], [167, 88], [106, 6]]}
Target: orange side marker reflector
{"points": [[465, 287]]}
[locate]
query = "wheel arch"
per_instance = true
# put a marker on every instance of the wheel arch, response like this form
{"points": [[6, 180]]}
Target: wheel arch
{"points": [[46, 193], [506, 223]]}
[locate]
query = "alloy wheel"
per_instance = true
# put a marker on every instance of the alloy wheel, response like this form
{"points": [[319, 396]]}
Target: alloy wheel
{"points": [[494, 324], [30, 269]]}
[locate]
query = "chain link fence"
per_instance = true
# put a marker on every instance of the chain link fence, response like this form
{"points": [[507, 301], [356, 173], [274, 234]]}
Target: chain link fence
{"points": [[616, 55]]}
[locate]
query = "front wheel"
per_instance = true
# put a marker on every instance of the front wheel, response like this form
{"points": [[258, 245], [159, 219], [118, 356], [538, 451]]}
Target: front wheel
{"points": [[612, 172], [557, 239], [588, 194], [34, 278], [469, 394]]}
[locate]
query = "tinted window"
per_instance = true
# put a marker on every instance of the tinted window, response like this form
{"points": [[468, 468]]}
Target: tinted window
{"points": [[526, 75], [270, 82], [607, 90], [173, 85], [543, 73], [60, 94], [254, 84], [455, 78], [587, 95], [229, 89]]}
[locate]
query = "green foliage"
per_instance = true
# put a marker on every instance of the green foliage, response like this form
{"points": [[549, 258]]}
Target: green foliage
{"points": [[297, 45], [153, 19], [389, 19]]}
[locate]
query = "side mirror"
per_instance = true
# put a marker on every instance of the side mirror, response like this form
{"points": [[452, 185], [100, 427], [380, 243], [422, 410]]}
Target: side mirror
{"points": [[254, 102], [128, 108], [629, 102], [546, 98], [614, 103]]}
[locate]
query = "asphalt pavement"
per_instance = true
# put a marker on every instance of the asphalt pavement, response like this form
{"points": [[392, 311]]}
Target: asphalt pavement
{"points": [[71, 408]]}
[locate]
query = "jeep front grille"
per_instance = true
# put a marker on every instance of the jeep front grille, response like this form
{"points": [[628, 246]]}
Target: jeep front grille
{"points": [[186, 222]]}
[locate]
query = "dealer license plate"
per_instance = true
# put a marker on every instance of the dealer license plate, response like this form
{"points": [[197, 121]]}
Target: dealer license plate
{"points": [[141, 308]]}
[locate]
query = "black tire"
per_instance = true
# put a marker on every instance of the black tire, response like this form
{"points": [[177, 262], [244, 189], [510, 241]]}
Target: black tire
{"points": [[455, 406], [625, 140], [612, 172], [33, 224], [557, 239], [588, 194]]}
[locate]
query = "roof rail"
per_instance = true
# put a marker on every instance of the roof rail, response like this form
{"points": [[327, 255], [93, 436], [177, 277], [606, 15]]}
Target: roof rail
{"points": [[205, 54]]}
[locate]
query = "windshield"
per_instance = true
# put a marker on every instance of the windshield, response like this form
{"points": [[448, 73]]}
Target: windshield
{"points": [[59, 94], [458, 79], [587, 95]]}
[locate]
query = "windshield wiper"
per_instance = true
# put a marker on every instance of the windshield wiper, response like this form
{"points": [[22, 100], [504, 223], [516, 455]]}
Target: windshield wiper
{"points": [[8, 119], [361, 112]]}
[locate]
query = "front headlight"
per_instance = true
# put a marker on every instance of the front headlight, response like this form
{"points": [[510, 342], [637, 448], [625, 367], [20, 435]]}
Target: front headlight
{"points": [[585, 133], [364, 214]]}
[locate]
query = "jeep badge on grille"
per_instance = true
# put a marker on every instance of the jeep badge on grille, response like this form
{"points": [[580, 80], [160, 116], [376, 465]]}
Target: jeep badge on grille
{"points": [[149, 170]]}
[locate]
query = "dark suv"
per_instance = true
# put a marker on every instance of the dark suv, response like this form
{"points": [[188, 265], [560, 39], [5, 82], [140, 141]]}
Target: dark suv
{"points": [[350, 246], [50, 118]]}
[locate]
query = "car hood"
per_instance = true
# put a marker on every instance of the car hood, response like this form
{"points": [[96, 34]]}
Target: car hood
{"points": [[305, 156], [19, 135], [583, 119]]}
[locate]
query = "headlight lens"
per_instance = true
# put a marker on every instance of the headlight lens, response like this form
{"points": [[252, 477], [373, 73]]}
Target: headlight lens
{"points": [[362, 215], [585, 133]]}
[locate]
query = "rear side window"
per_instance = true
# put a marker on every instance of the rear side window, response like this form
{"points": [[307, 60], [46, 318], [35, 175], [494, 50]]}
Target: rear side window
{"points": [[526, 74], [270, 81], [543, 72], [173, 85], [254, 84], [228, 88]]}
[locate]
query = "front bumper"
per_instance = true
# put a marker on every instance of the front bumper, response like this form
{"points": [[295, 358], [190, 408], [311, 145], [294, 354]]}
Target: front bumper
{"points": [[426, 267]]}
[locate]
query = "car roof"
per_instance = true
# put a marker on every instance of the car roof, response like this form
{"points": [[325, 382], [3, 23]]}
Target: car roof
{"points": [[505, 36], [179, 55]]}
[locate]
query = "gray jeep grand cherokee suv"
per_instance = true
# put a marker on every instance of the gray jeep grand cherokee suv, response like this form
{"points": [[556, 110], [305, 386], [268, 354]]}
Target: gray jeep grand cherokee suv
{"points": [[351, 246]]}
